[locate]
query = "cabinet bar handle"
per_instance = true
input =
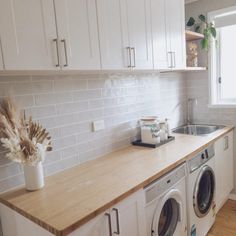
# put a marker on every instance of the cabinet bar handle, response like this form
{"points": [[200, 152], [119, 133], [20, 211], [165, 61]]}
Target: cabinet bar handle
{"points": [[134, 57], [173, 53], [170, 62], [65, 49], [57, 49], [109, 223], [117, 221], [129, 57]]}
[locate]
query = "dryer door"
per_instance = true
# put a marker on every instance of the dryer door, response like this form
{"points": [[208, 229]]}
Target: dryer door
{"points": [[167, 220], [204, 191]]}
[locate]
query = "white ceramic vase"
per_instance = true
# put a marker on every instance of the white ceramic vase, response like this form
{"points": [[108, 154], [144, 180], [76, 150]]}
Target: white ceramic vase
{"points": [[34, 177]]}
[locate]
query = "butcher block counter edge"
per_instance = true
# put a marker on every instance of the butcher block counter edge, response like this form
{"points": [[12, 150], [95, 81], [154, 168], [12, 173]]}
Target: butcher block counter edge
{"points": [[6, 198]]}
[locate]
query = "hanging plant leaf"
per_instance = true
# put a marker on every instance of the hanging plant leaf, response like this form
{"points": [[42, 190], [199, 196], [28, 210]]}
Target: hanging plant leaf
{"points": [[197, 29], [213, 32], [205, 44], [202, 18], [191, 22]]}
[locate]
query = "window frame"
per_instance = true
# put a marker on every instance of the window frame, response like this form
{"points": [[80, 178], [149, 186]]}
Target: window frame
{"points": [[214, 73]]}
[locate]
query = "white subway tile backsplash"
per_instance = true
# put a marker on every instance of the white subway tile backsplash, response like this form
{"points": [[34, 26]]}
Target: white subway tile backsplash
{"points": [[53, 98], [67, 104]]}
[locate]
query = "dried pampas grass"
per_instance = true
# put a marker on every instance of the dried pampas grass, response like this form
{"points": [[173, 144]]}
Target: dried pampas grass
{"points": [[26, 141]]}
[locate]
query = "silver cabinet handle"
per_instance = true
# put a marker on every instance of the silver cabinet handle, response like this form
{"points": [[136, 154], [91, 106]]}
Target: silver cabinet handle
{"points": [[57, 49], [134, 57], [174, 64], [109, 223], [170, 62], [129, 57], [226, 143], [117, 221], [65, 49]]}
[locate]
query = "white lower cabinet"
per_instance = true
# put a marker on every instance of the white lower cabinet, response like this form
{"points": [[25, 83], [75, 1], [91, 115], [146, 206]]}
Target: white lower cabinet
{"points": [[127, 218], [224, 168]]}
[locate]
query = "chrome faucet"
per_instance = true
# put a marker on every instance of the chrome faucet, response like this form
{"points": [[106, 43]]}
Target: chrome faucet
{"points": [[191, 102]]}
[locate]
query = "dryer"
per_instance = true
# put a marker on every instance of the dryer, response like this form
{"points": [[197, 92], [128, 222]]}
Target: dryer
{"points": [[201, 192], [166, 204]]}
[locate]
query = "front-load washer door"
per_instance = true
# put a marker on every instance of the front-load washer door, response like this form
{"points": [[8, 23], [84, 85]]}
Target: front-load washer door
{"points": [[168, 216], [204, 191]]}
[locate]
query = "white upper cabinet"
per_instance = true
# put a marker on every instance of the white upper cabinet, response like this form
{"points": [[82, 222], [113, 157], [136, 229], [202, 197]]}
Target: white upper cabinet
{"points": [[168, 34], [125, 34], [112, 44], [78, 34], [136, 23], [28, 31], [176, 32], [159, 32]]}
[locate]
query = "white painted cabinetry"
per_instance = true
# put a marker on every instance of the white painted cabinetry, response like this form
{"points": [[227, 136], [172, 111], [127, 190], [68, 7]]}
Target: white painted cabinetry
{"points": [[136, 22], [168, 34], [161, 44], [125, 219], [125, 34], [88, 34], [224, 168], [176, 32], [78, 34], [112, 41], [28, 32], [36, 34]]}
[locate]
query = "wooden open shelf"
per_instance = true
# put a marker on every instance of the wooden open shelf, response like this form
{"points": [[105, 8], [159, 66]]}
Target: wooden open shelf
{"points": [[192, 36]]}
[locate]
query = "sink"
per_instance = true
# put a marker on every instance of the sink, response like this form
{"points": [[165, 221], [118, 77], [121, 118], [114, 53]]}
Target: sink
{"points": [[197, 130]]}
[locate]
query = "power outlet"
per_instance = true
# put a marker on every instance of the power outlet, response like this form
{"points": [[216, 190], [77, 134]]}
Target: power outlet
{"points": [[98, 125]]}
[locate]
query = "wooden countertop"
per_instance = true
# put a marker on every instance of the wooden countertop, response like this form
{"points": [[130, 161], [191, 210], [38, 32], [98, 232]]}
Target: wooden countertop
{"points": [[75, 196]]}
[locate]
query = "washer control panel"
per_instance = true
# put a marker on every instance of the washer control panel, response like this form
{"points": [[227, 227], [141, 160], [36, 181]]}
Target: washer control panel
{"points": [[201, 158], [160, 186]]}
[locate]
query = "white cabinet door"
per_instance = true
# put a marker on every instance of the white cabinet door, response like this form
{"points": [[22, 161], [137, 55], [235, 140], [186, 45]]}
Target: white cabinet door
{"points": [[136, 21], [112, 43], [176, 32], [129, 216], [224, 168], [78, 34], [27, 32], [161, 44], [99, 226], [228, 173]]}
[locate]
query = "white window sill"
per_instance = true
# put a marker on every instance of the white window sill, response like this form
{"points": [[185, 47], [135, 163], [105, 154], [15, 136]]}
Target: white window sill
{"points": [[222, 105]]}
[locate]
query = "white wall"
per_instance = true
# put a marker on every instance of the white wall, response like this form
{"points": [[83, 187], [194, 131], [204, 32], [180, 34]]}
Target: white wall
{"points": [[67, 104], [197, 83]]}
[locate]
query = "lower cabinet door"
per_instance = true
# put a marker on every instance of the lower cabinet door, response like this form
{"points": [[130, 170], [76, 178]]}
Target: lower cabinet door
{"points": [[124, 219], [128, 217], [99, 226], [224, 169]]}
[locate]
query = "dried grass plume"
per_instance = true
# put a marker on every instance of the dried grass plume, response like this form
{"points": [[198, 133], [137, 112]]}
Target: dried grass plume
{"points": [[26, 141]]}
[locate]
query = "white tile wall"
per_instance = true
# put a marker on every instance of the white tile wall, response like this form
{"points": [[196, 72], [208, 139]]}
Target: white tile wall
{"points": [[67, 104]]}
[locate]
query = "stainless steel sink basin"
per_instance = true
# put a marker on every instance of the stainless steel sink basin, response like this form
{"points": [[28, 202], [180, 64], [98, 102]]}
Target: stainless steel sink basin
{"points": [[197, 130]]}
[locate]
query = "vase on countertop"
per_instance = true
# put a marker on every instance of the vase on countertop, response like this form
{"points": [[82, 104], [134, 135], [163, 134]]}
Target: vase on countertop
{"points": [[34, 176]]}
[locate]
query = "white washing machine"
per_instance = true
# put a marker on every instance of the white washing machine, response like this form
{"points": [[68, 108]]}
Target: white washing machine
{"points": [[201, 192], [166, 204]]}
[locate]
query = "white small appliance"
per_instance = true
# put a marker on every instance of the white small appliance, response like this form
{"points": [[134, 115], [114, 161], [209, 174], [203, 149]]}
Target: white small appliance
{"points": [[166, 204], [201, 192]]}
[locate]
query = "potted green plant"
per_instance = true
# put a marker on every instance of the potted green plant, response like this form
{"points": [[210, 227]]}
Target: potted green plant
{"points": [[207, 29]]}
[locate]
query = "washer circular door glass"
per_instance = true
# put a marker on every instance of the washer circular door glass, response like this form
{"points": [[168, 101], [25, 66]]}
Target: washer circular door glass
{"points": [[204, 191], [168, 218]]}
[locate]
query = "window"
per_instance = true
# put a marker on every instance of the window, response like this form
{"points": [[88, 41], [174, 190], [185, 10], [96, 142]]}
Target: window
{"points": [[222, 58]]}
